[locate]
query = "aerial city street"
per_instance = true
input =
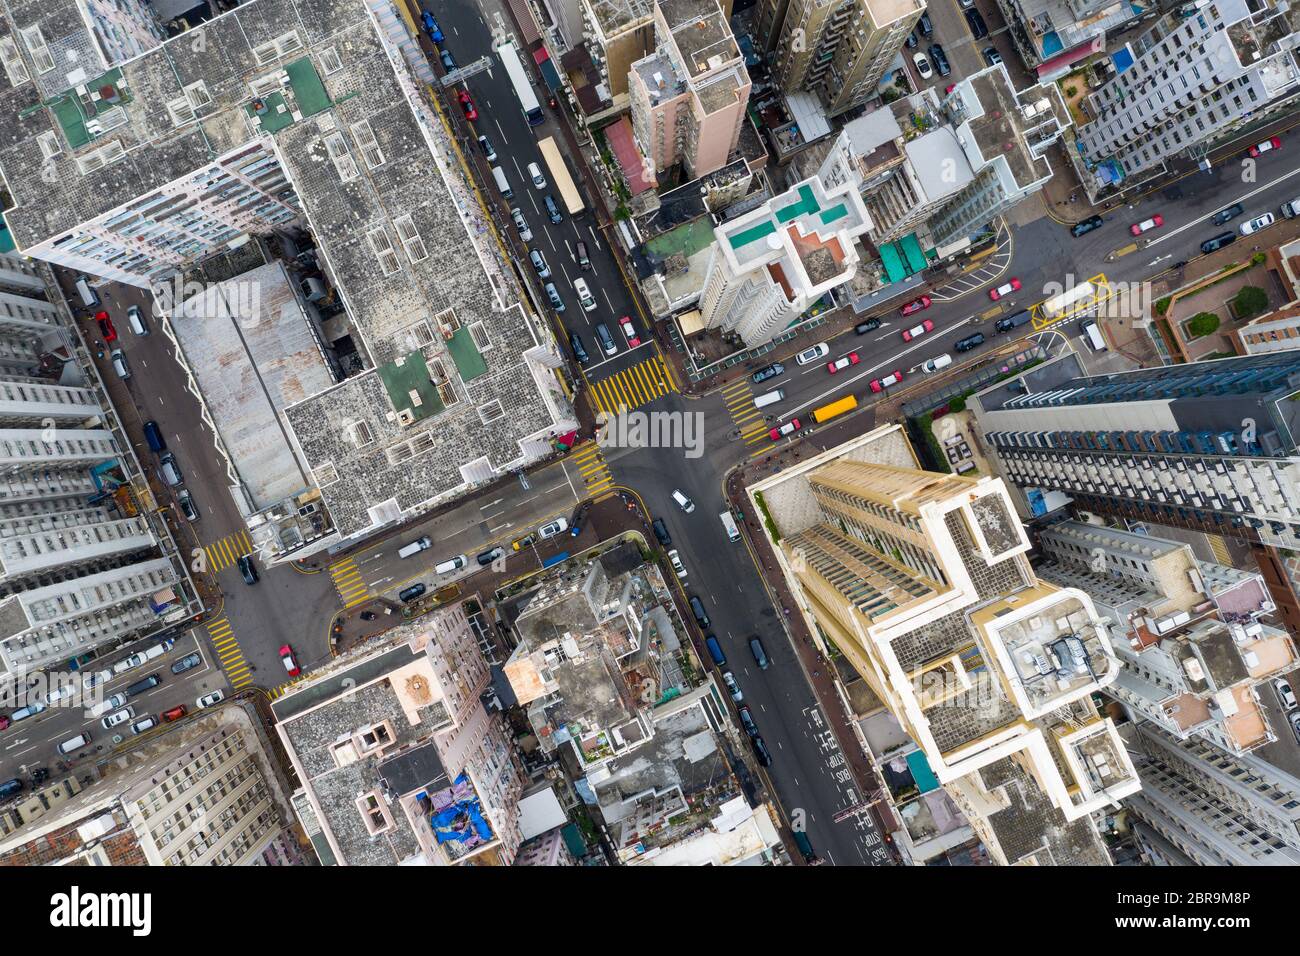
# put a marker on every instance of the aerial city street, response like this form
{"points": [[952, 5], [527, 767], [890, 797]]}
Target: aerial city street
{"points": [[649, 433]]}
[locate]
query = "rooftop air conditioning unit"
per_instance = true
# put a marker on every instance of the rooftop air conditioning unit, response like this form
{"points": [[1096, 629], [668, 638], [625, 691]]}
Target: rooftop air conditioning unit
{"points": [[405, 417]]}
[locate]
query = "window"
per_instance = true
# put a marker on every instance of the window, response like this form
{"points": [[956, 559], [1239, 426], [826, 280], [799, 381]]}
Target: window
{"points": [[447, 322], [280, 46], [326, 474], [13, 61], [329, 60], [198, 95], [181, 110], [49, 141], [410, 239], [34, 40], [491, 411], [89, 162], [369, 146], [374, 812], [337, 147], [382, 247], [359, 432], [479, 334], [419, 335]]}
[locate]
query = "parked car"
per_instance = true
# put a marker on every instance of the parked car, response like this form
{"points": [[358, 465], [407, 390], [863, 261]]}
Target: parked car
{"points": [[768, 371], [188, 508], [747, 721], [431, 27], [870, 325], [491, 554], [489, 153], [661, 532], [579, 516], [991, 55], [629, 331], [188, 662], [813, 354], [411, 593], [1218, 242], [579, 350], [1285, 695], [523, 542], [978, 28], [789, 428], [286, 658], [674, 559], [247, 570], [553, 528], [1005, 289], [1272, 143], [538, 260], [911, 40], [969, 342], [1256, 224], [207, 700], [890, 380], [843, 362], [925, 26], [117, 358], [143, 724], [940, 59], [448, 62], [733, 688], [1155, 222], [521, 225], [923, 69], [176, 713], [1086, 226], [915, 306], [107, 330], [1294, 718], [1227, 215], [762, 753], [117, 717]]}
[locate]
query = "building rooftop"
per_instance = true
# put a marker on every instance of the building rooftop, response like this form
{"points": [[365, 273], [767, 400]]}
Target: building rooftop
{"points": [[700, 33], [615, 16], [998, 131], [940, 163]]}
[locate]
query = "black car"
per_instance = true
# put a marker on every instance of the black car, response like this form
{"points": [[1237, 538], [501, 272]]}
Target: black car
{"points": [[188, 508], [697, 608], [1218, 242], [747, 721], [862, 328], [247, 569], [489, 153], [977, 25], [186, 663], [768, 371], [448, 63], [411, 593], [579, 350], [940, 59], [925, 26], [491, 554], [969, 342], [761, 751], [1225, 215], [1088, 225], [912, 41], [661, 532]]}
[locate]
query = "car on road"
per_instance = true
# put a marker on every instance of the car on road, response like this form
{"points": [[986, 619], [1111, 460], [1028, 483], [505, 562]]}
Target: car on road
{"points": [[585, 298], [733, 688], [761, 752], [940, 59], [489, 153], [552, 210], [106, 327], [1086, 226], [969, 342], [915, 306], [290, 665], [117, 358], [579, 516], [768, 371], [810, 355], [925, 26], [247, 570], [535, 174], [978, 28], [1005, 289], [539, 263], [661, 532], [1256, 224], [789, 428], [629, 331], [747, 721], [135, 320], [448, 61], [207, 700], [1270, 144], [411, 593], [553, 528], [1285, 695], [491, 554], [911, 41], [759, 651], [914, 331], [188, 508], [105, 706], [843, 362], [1155, 222], [991, 55], [604, 338], [1218, 242], [431, 27], [890, 380], [60, 692], [1294, 718], [521, 224], [683, 501], [923, 68], [675, 560], [143, 724], [579, 350], [117, 717], [870, 325], [176, 713], [1227, 215], [188, 662], [583, 259]]}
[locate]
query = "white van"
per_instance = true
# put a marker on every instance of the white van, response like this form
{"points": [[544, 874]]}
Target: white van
{"points": [[769, 398], [1291, 208], [585, 298], [415, 547], [729, 523], [683, 502], [120, 367], [1092, 335], [88, 295], [936, 363], [450, 565], [135, 319], [502, 183], [76, 743]]}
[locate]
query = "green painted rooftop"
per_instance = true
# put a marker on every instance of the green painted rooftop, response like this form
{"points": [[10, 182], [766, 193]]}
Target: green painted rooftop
{"points": [[411, 375], [465, 354], [807, 204], [72, 113], [308, 89], [752, 234], [686, 239]]}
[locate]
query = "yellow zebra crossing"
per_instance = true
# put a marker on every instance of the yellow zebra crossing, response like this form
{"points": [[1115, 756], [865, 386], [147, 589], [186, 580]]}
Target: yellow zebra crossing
{"points": [[222, 554], [633, 387], [593, 469], [349, 583], [1220, 549], [750, 421], [229, 656], [283, 688]]}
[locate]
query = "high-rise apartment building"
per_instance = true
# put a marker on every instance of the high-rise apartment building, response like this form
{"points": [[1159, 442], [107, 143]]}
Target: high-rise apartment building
{"points": [[1192, 80], [838, 49], [688, 97], [922, 582], [1054, 36], [771, 264]]}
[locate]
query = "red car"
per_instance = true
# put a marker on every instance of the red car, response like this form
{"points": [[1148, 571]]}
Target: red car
{"points": [[106, 327], [176, 713], [286, 655], [1274, 142], [4, 721], [1004, 289], [925, 326], [890, 380], [1155, 222], [844, 362], [467, 104], [916, 305], [789, 428], [629, 330]]}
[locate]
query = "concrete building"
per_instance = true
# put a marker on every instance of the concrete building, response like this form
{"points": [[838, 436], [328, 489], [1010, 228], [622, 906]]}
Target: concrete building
{"points": [[619, 33], [922, 582], [1192, 80], [81, 563], [1205, 806], [1277, 331], [838, 49], [1052, 36], [291, 113], [399, 760], [983, 154], [203, 794], [688, 97], [773, 263]]}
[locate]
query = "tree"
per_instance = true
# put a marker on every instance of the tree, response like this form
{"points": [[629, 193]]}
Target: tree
{"points": [[1203, 323], [1249, 302]]}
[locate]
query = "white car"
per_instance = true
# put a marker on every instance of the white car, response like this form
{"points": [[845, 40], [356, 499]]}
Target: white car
{"points": [[922, 66], [95, 677], [119, 717], [535, 174], [789, 428], [61, 692], [207, 700], [1285, 695], [143, 724], [814, 354], [1256, 224], [525, 234], [676, 561], [732, 687], [558, 526]]}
